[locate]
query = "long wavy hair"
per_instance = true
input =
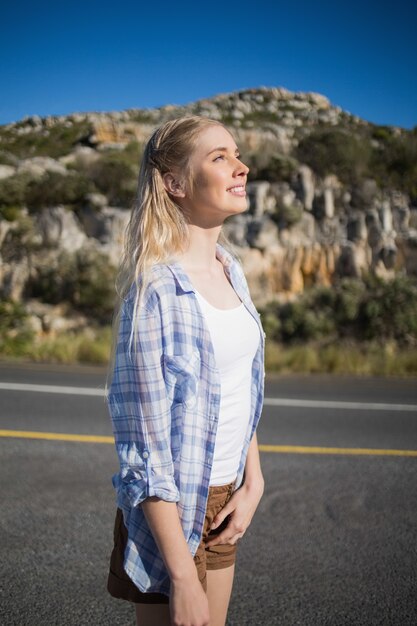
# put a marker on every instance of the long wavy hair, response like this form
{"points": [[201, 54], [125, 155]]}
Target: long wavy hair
{"points": [[157, 230]]}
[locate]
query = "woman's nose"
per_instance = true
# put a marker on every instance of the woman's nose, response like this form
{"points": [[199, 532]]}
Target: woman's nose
{"points": [[241, 168]]}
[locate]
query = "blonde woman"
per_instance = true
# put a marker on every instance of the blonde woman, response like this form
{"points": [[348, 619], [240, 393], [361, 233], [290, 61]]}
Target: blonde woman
{"points": [[186, 386]]}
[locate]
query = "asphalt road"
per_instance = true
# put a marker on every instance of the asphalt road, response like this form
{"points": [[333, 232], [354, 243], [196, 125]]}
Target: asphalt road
{"points": [[334, 540]]}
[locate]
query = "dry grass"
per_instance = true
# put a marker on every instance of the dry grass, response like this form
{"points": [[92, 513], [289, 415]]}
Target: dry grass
{"points": [[89, 346], [367, 359]]}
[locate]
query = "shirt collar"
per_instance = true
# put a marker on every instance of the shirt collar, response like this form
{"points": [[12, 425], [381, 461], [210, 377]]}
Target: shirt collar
{"points": [[184, 282]]}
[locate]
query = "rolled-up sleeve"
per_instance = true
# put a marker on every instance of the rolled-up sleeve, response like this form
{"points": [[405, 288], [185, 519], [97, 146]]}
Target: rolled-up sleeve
{"points": [[141, 412]]}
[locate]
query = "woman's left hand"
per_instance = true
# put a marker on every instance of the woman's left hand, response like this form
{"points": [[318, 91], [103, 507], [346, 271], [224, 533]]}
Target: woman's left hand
{"points": [[241, 508]]}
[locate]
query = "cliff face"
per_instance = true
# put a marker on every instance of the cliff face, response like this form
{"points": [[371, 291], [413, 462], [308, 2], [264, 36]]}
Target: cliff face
{"points": [[328, 196]]}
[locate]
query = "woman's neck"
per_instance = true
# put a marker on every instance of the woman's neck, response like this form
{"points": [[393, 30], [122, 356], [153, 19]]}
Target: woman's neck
{"points": [[201, 253]]}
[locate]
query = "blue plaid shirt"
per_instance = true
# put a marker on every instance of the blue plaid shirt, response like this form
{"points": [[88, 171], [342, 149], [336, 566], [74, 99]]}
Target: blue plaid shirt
{"points": [[164, 401]]}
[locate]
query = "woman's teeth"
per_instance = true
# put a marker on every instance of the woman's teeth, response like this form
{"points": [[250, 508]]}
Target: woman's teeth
{"points": [[239, 191]]}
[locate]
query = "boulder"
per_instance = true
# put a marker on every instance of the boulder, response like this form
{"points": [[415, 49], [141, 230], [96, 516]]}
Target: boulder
{"points": [[37, 166], [260, 198], [262, 233], [53, 319], [82, 156], [385, 216], [13, 279], [6, 171], [60, 228], [235, 229]]}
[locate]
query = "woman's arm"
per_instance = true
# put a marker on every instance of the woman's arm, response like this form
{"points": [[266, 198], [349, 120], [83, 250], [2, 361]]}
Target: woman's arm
{"points": [[253, 471], [243, 503], [141, 415], [188, 602]]}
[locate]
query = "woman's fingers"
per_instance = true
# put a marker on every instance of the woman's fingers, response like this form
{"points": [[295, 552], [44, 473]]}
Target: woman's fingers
{"points": [[226, 536], [221, 515], [233, 531]]}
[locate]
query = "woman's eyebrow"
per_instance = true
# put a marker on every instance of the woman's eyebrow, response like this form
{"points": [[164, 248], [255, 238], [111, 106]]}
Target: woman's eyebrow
{"points": [[221, 149]]}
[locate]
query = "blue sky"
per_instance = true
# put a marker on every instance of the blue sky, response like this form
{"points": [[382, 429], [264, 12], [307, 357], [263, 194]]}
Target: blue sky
{"points": [[58, 58]]}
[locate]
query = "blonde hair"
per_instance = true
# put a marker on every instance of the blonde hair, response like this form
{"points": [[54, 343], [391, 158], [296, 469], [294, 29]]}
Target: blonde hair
{"points": [[157, 230]]}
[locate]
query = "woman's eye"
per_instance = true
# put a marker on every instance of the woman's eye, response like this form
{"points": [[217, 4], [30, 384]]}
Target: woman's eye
{"points": [[221, 156]]}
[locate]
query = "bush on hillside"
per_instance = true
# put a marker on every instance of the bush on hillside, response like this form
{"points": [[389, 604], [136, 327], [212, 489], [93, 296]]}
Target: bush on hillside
{"points": [[115, 176], [287, 215], [54, 188], [13, 195], [7, 158], [84, 279], [379, 153], [53, 142], [15, 332], [394, 161], [268, 164], [388, 310], [372, 309], [336, 151], [20, 241]]}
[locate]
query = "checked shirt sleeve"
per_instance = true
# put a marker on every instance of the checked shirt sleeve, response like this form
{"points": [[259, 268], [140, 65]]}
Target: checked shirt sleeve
{"points": [[141, 413]]}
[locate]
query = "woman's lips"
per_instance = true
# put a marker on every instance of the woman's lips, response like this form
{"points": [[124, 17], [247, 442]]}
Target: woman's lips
{"points": [[237, 190]]}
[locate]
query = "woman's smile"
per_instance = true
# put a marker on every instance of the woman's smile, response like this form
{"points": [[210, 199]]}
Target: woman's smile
{"points": [[237, 190]]}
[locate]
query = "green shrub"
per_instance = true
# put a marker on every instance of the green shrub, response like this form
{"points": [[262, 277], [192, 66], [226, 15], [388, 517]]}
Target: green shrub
{"points": [[84, 279], [354, 153], [115, 175], [13, 191], [280, 168], [394, 162], [299, 322], [388, 310], [382, 133], [20, 240], [336, 151], [15, 333], [54, 188], [269, 165], [288, 215], [54, 142], [7, 158], [372, 309], [94, 291], [349, 294], [10, 213]]}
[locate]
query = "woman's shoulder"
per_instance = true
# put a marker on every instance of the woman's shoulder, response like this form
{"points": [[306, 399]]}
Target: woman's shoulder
{"points": [[157, 286]]}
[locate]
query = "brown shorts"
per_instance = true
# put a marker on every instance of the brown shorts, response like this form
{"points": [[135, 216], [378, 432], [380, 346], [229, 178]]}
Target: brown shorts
{"points": [[119, 584]]}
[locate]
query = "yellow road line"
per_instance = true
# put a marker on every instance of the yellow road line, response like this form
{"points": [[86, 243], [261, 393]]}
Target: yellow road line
{"points": [[320, 450], [28, 434]]}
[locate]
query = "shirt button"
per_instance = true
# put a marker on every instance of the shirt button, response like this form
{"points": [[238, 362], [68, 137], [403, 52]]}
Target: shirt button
{"points": [[145, 455]]}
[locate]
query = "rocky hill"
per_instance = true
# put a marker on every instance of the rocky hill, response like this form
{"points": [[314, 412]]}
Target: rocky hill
{"points": [[329, 196]]}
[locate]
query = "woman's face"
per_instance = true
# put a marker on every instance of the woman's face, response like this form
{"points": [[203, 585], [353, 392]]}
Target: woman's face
{"points": [[219, 179]]}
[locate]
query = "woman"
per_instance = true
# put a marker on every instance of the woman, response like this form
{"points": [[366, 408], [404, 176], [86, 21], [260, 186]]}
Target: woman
{"points": [[186, 388]]}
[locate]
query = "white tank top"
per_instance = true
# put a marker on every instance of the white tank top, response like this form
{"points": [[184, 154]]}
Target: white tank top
{"points": [[235, 338]]}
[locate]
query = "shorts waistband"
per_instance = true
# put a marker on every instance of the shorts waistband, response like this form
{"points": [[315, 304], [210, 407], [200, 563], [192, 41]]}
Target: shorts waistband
{"points": [[222, 488]]}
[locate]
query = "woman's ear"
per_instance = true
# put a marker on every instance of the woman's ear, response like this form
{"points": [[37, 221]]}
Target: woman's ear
{"points": [[173, 186]]}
